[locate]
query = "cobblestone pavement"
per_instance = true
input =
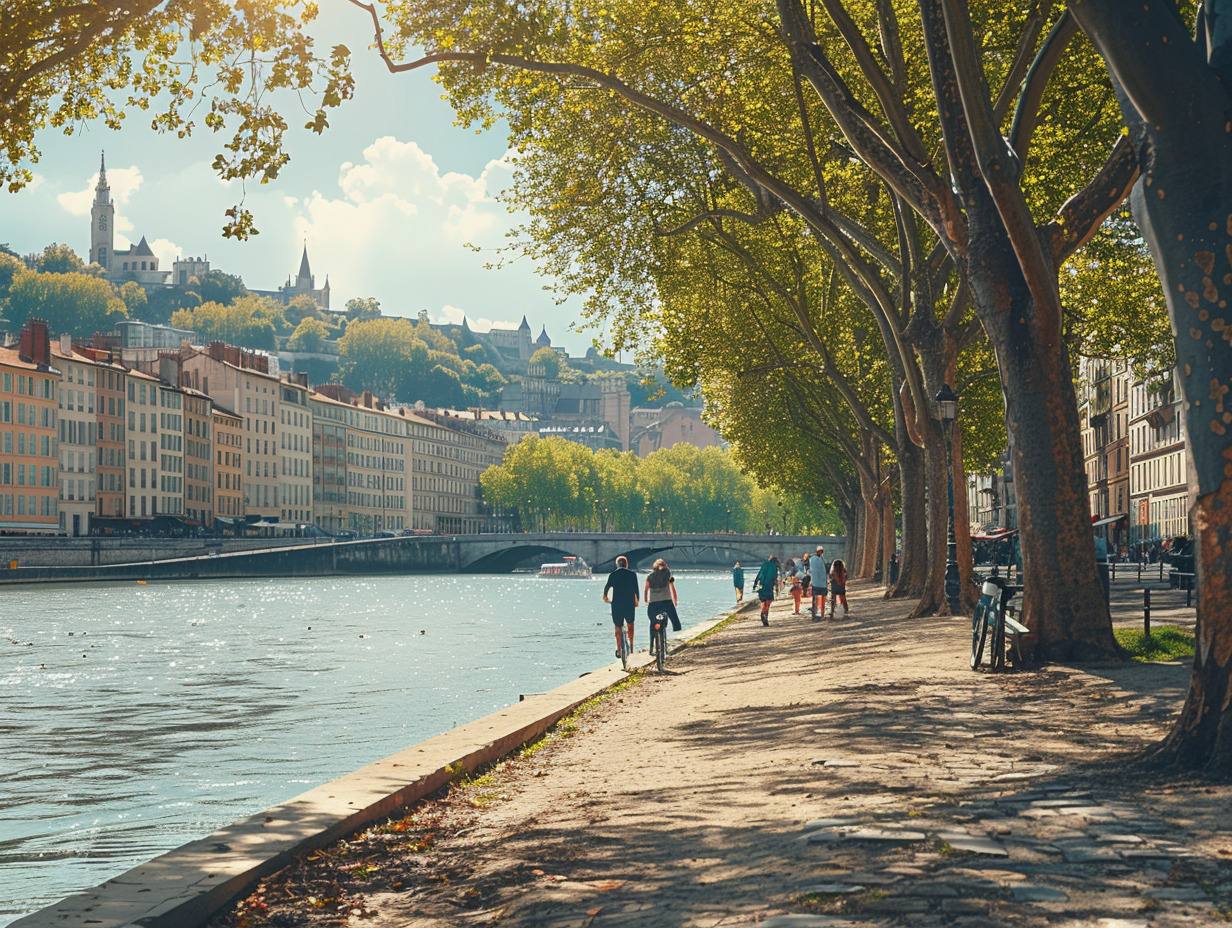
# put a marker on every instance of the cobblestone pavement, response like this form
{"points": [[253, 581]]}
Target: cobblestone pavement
{"points": [[849, 772]]}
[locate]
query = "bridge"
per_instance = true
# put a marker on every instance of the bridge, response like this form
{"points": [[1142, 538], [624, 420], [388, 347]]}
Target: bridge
{"points": [[503, 553], [495, 553]]}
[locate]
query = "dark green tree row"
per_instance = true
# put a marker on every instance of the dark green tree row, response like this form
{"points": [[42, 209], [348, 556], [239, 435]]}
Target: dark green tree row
{"points": [[554, 485]]}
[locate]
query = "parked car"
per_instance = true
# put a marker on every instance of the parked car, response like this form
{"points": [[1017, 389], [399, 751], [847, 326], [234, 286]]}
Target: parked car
{"points": [[385, 534], [346, 535]]}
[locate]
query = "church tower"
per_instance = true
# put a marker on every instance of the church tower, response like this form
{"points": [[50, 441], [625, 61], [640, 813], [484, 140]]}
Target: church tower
{"points": [[102, 221]]}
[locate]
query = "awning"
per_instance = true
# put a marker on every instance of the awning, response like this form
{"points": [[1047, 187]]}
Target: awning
{"points": [[1107, 521]]}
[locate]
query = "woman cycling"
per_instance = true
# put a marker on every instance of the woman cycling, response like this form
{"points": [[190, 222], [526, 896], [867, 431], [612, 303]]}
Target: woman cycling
{"points": [[660, 594]]}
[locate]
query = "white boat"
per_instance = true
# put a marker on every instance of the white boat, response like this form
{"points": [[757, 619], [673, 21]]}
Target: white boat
{"points": [[569, 567]]}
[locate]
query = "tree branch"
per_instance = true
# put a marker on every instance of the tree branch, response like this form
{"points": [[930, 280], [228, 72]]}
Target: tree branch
{"points": [[1083, 213]]}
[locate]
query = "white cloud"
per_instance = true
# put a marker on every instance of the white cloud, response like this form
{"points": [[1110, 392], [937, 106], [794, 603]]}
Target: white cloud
{"points": [[398, 214], [123, 182], [167, 252], [453, 316]]}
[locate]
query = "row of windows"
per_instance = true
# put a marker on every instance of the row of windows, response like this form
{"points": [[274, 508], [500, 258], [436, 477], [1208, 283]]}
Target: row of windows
{"points": [[28, 414], [33, 475], [44, 387], [28, 505]]}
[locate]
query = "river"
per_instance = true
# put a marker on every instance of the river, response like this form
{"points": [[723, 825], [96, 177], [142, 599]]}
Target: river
{"points": [[140, 717]]}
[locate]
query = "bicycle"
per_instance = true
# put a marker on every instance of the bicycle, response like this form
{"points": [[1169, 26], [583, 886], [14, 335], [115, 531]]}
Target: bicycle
{"points": [[993, 614], [658, 640], [625, 649]]}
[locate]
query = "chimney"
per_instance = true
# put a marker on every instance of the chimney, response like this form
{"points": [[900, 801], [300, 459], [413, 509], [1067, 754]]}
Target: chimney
{"points": [[366, 399], [35, 343], [66, 344]]}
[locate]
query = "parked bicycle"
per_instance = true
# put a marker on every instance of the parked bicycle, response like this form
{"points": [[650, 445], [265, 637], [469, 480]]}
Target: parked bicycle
{"points": [[995, 618]]}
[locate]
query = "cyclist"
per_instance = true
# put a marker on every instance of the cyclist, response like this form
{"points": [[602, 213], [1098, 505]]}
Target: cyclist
{"points": [[660, 593], [622, 584]]}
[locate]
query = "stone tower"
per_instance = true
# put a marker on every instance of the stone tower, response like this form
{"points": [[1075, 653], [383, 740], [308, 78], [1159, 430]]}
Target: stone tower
{"points": [[102, 221]]}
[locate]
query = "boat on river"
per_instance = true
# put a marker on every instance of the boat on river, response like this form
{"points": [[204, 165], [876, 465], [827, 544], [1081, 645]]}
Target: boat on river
{"points": [[569, 567]]}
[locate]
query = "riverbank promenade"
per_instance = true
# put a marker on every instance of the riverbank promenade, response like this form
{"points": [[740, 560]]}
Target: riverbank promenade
{"points": [[846, 772]]}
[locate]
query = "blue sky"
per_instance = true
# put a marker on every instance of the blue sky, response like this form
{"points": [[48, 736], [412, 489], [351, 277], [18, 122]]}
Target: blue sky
{"points": [[387, 200]]}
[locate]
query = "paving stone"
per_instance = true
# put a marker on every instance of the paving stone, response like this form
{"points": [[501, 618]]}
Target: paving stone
{"points": [[965, 906], [1060, 803], [839, 763], [973, 844], [885, 835], [898, 905], [1119, 839], [1147, 853], [831, 889], [1122, 923], [931, 889], [1088, 855], [822, 836], [1179, 894], [1029, 892], [805, 921], [827, 823]]}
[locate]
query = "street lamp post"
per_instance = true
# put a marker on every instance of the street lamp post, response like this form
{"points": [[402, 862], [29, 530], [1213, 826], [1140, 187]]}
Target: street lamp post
{"points": [[727, 524], [947, 410], [662, 513]]}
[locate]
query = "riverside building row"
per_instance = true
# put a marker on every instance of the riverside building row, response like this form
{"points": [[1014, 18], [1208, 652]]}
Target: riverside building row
{"points": [[1134, 456], [208, 439]]}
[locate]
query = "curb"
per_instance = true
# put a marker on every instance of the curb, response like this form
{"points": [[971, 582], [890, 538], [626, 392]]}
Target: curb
{"points": [[185, 887]]}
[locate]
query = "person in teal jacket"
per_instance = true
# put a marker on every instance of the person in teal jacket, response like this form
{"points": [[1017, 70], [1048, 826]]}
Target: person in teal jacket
{"points": [[738, 581], [767, 579]]}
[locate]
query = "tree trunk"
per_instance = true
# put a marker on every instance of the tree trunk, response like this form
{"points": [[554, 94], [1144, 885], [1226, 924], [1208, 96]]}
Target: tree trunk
{"points": [[932, 597], [868, 520], [1175, 100], [888, 534], [1063, 599], [913, 564], [962, 526]]}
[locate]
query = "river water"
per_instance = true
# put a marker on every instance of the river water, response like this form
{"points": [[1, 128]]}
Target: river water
{"points": [[139, 717]]}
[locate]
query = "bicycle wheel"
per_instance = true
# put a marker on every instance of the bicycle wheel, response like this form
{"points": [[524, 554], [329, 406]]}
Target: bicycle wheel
{"points": [[624, 650], [661, 652], [979, 634], [996, 659]]}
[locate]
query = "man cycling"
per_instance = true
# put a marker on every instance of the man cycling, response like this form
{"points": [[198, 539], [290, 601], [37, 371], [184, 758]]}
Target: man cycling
{"points": [[622, 584]]}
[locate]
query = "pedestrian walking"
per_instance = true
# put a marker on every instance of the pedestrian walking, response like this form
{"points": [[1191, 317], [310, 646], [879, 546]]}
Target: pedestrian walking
{"points": [[766, 582], [838, 586], [806, 579], [738, 581], [797, 591], [819, 585]]}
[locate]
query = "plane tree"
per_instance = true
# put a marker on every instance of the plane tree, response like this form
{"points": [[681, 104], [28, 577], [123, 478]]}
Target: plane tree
{"points": [[1172, 79]]}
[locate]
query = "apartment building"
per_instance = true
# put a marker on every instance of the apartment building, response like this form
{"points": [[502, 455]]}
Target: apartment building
{"points": [[198, 457], [329, 479], [142, 459], [294, 450], [239, 380], [1104, 390], [447, 456], [1159, 495], [111, 466], [360, 462], [78, 438], [228, 442], [29, 413]]}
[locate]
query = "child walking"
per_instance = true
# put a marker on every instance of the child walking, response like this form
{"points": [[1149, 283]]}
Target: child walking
{"points": [[838, 586], [797, 590]]}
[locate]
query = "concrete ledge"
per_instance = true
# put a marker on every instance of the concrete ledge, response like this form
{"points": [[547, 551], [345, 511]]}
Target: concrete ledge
{"points": [[185, 887]]}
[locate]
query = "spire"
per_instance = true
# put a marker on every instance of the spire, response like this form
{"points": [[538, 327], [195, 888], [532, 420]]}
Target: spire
{"points": [[525, 325], [102, 171], [304, 270]]}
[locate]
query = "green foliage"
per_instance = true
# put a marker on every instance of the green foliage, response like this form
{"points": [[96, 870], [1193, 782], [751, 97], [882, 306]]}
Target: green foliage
{"points": [[63, 63], [1166, 643], [553, 363], [218, 287], [59, 259], [248, 322], [10, 267], [410, 361], [74, 303], [309, 336], [135, 299], [362, 309], [557, 484]]}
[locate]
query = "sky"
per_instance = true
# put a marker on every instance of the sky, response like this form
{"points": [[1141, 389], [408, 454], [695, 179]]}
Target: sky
{"points": [[387, 200]]}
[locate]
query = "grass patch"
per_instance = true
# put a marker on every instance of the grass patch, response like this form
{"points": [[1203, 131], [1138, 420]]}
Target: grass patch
{"points": [[1166, 643]]}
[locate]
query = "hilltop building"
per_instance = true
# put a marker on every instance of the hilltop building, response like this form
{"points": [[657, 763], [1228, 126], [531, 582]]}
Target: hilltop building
{"points": [[137, 262]]}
